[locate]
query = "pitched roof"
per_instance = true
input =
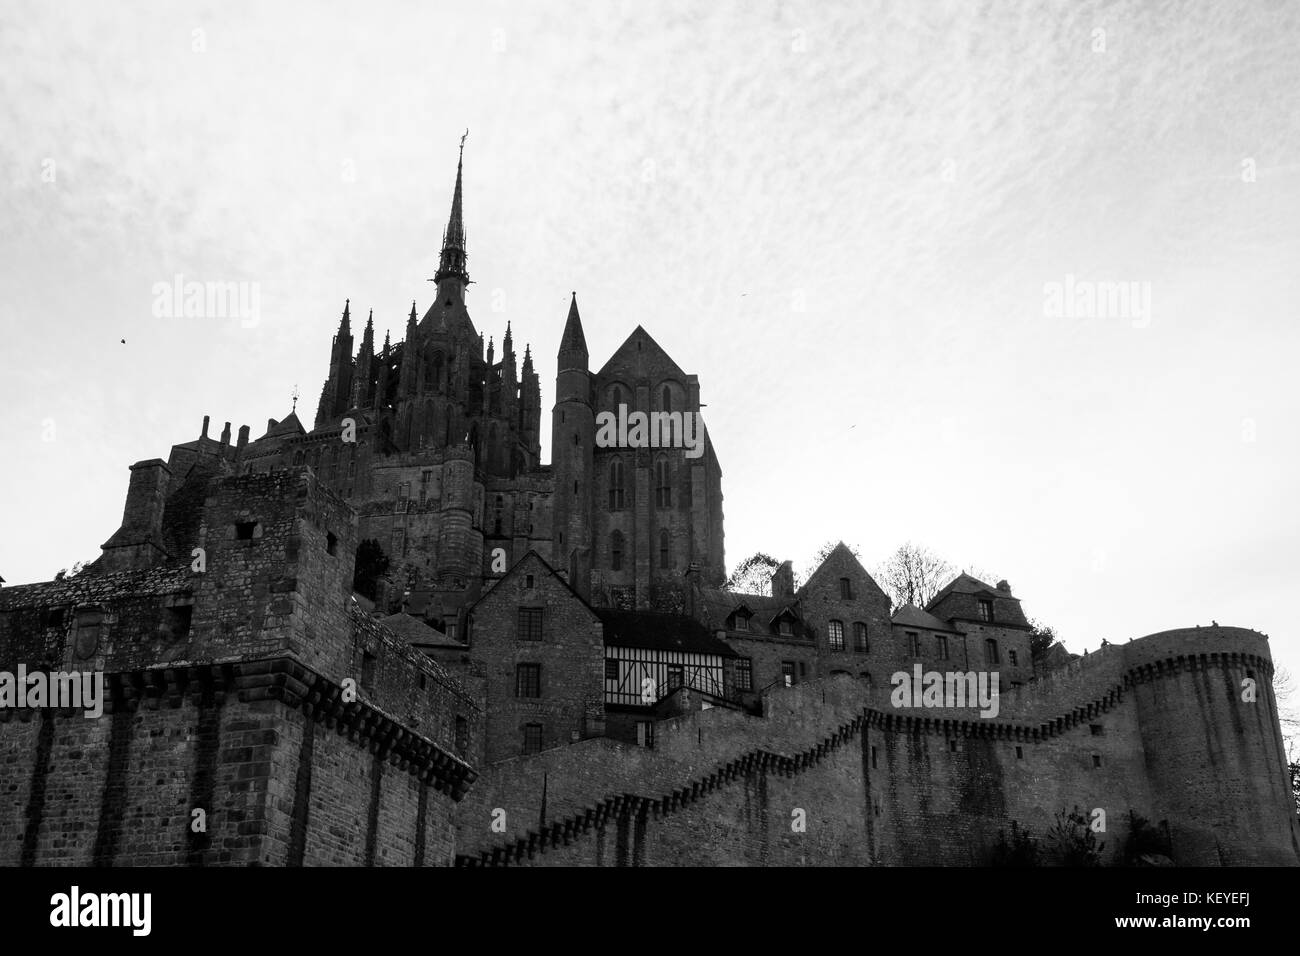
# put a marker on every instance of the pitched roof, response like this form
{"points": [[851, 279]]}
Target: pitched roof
{"points": [[657, 631], [967, 584], [631, 351], [409, 631], [909, 615], [720, 604]]}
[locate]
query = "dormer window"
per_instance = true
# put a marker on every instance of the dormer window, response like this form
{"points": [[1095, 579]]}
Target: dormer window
{"points": [[784, 628], [742, 622], [986, 610]]}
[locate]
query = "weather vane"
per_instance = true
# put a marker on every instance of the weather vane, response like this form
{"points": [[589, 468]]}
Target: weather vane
{"points": [[462, 140], [295, 398]]}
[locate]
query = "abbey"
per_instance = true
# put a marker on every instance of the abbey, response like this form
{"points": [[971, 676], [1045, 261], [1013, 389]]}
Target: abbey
{"points": [[398, 637]]}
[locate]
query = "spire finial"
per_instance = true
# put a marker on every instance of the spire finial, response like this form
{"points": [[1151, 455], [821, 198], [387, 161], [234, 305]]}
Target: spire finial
{"points": [[295, 398]]}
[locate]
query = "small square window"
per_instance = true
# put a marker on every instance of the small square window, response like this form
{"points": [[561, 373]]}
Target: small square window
{"points": [[611, 669], [952, 745], [742, 623], [785, 629], [1096, 760], [1096, 729], [244, 530]]}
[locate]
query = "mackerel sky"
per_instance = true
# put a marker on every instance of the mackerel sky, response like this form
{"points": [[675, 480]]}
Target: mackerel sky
{"points": [[843, 217]]}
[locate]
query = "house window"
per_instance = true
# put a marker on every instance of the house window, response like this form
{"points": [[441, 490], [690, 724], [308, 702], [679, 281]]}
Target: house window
{"points": [[741, 623], [1096, 760], [616, 551], [532, 738], [1011, 656], [367, 670], [860, 637], [528, 581], [663, 486], [530, 624], [244, 530], [986, 610], [1020, 753], [616, 485], [787, 673], [784, 628], [665, 550], [846, 589], [331, 543], [990, 651], [645, 733], [835, 635], [616, 397], [462, 735], [675, 675], [941, 646], [175, 622], [667, 403], [528, 680], [913, 643], [744, 673], [611, 668], [451, 631], [1095, 729]]}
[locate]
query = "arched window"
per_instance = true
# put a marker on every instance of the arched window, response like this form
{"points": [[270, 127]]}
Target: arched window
{"points": [[667, 399], [665, 549], [835, 635], [860, 637], [663, 484], [616, 551], [615, 398], [616, 485]]}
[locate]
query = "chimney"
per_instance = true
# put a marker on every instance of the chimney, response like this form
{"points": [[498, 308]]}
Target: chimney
{"points": [[243, 437], [137, 543], [225, 435], [205, 427], [271, 423], [1003, 586], [783, 581]]}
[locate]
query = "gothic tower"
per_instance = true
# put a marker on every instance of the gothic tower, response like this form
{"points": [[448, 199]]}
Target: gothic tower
{"points": [[573, 437]]}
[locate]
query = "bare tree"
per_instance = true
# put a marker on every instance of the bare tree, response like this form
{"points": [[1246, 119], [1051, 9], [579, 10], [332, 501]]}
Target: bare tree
{"points": [[753, 575], [913, 575]]}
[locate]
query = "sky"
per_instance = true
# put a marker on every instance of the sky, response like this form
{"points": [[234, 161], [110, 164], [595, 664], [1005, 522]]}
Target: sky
{"points": [[855, 222]]}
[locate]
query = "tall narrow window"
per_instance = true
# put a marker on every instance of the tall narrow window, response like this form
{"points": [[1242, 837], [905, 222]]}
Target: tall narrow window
{"points": [[616, 551], [663, 485], [986, 610], [462, 735], [665, 550], [941, 646], [787, 673], [835, 635], [616, 485], [991, 651], [860, 637], [528, 680], [744, 673], [846, 589], [667, 403], [913, 643], [530, 624], [675, 675], [532, 738]]}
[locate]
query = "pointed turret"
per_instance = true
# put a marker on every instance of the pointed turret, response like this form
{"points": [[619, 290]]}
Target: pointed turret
{"points": [[362, 383], [573, 341], [338, 387]]}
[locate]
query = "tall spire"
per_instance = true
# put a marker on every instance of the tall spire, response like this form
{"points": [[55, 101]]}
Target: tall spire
{"points": [[451, 264], [345, 326]]}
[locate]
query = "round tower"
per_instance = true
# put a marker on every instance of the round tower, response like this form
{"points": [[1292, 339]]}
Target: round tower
{"points": [[573, 436]]}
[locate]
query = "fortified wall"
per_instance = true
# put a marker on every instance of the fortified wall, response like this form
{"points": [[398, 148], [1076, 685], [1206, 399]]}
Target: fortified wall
{"points": [[832, 774], [252, 713]]}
